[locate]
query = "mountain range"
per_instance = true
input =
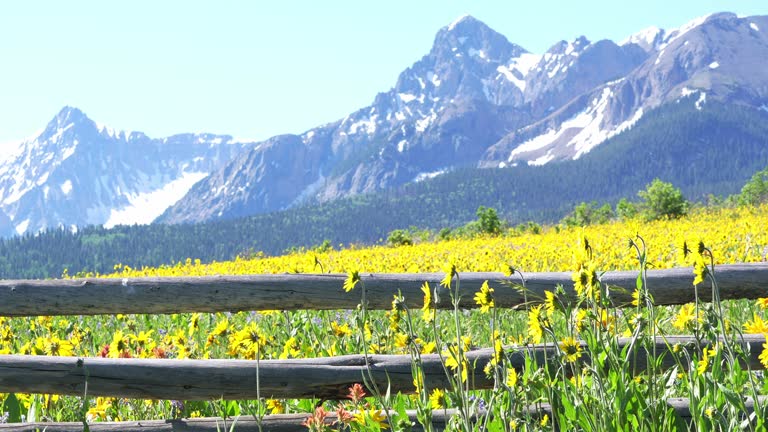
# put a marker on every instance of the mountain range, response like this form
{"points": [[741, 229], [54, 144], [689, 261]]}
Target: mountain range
{"points": [[475, 100]]}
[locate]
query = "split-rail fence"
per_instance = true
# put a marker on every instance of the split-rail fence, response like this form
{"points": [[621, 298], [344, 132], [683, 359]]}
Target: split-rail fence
{"points": [[325, 378]]}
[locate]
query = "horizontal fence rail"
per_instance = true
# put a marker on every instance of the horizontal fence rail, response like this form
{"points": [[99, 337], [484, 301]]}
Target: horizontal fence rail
{"points": [[287, 422], [163, 295], [325, 378]]}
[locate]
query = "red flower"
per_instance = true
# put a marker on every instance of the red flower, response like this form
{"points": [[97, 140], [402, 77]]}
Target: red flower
{"points": [[356, 393]]}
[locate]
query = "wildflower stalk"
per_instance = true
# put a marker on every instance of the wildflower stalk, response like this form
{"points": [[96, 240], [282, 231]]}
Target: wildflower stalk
{"points": [[463, 389], [423, 409], [645, 301]]}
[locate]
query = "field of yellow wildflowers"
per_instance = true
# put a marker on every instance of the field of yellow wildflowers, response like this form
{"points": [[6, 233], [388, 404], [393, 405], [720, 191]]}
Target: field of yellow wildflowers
{"points": [[600, 394]]}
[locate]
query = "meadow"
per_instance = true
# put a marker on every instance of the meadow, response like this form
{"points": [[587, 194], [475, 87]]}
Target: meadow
{"points": [[604, 393]]}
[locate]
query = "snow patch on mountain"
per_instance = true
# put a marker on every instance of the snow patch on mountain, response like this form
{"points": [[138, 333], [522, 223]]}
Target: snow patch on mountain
{"points": [[700, 102], [679, 32], [407, 97], [65, 187], [685, 91], [581, 132], [428, 175], [402, 145], [145, 207], [423, 123], [22, 227], [433, 78], [478, 53], [714, 65], [518, 68], [754, 27], [644, 38], [629, 122], [542, 160], [367, 125], [579, 121], [592, 132]]}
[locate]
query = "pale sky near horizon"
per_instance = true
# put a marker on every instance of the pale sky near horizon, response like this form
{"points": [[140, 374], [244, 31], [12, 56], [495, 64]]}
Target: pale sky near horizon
{"points": [[256, 69]]}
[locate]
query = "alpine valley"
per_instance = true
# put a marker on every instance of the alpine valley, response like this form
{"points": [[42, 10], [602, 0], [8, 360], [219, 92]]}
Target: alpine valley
{"points": [[528, 133]]}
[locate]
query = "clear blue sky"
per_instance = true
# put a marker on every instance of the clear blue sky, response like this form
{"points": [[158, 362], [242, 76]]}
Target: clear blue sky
{"points": [[254, 69]]}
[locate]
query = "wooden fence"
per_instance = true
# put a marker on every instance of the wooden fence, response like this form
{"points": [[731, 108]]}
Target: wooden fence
{"points": [[327, 378]]}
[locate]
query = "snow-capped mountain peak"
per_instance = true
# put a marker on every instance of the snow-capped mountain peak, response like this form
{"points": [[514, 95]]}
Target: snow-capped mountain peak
{"points": [[459, 20], [475, 99], [78, 173], [648, 39]]}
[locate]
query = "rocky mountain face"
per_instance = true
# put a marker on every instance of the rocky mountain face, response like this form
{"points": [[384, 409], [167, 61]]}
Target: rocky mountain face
{"points": [[712, 58], [477, 99], [78, 173]]}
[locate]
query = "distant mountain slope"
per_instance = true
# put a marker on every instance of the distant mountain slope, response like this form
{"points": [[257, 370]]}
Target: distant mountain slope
{"points": [[474, 100], [478, 100], [77, 173], [711, 150]]}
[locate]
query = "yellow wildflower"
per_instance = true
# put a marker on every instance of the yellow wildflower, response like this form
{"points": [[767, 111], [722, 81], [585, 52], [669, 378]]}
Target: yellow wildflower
{"points": [[512, 377], [484, 298], [685, 317], [118, 345], [450, 272], [535, 320], [703, 364], [757, 325], [194, 323], [376, 417], [57, 347], [427, 310], [99, 410], [290, 348], [549, 301], [275, 406], [571, 349], [396, 313], [764, 355], [402, 340], [452, 361], [340, 330], [763, 302], [579, 319], [437, 399], [585, 281], [353, 277], [429, 348]]}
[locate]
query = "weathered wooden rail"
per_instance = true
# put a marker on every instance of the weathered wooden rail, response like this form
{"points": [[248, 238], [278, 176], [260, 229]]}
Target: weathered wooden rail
{"points": [[163, 295], [325, 378], [283, 422]]}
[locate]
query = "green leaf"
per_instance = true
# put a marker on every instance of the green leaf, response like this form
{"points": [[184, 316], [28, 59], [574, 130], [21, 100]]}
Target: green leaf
{"points": [[32, 412], [12, 406], [233, 408], [568, 409]]}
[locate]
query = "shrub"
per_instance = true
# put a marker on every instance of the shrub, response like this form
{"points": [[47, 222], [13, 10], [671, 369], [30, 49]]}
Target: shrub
{"points": [[755, 191], [400, 237], [661, 200], [488, 220], [587, 214]]}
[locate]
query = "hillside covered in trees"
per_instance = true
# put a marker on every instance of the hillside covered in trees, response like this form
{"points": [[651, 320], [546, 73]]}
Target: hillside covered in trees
{"points": [[706, 153]]}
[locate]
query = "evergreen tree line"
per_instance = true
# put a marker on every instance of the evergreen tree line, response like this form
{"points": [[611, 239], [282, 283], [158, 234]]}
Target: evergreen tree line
{"points": [[712, 152]]}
